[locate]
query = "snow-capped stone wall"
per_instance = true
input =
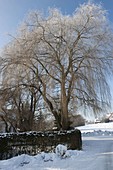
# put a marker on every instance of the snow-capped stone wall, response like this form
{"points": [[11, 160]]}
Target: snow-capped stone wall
{"points": [[12, 144]]}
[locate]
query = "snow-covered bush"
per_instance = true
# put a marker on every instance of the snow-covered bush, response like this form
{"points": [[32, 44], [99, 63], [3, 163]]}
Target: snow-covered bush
{"points": [[60, 150]]}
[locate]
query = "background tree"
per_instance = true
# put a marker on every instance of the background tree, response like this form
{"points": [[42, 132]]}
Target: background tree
{"points": [[18, 103], [69, 57]]}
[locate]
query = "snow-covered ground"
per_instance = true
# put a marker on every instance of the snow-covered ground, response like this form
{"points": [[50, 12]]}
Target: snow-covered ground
{"points": [[97, 153]]}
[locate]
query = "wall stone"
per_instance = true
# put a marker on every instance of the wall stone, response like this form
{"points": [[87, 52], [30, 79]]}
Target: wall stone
{"points": [[13, 144]]}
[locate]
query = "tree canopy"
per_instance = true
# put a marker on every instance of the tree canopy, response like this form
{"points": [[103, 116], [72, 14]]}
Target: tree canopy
{"points": [[65, 58]]}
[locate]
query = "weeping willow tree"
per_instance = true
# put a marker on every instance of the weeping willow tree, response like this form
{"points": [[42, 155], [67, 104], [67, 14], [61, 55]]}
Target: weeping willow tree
{"points": [[69, 56]]}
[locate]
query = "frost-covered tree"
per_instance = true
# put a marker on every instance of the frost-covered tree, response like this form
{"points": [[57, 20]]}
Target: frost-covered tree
{"points": [[70, 57]]}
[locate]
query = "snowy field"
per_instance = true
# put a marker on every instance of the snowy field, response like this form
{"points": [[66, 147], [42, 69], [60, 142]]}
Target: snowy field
{"points": [[97, 153]]}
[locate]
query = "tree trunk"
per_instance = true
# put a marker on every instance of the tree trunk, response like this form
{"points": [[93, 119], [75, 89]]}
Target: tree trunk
{"points": [[64, 106], [65, 122]]}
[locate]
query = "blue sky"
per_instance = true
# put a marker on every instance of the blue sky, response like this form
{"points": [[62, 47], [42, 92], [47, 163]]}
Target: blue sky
{"points": [[12, 12]]}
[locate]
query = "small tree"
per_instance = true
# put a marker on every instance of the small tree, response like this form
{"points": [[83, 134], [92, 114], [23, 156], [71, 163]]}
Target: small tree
{"points": [[18, 103], [70, 58]]}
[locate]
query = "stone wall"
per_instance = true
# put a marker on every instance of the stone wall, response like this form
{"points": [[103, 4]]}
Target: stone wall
{"points": [[13, 144]]}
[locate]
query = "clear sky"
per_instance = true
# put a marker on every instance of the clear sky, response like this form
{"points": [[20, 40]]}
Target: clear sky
{"points": [[12, 12]]}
